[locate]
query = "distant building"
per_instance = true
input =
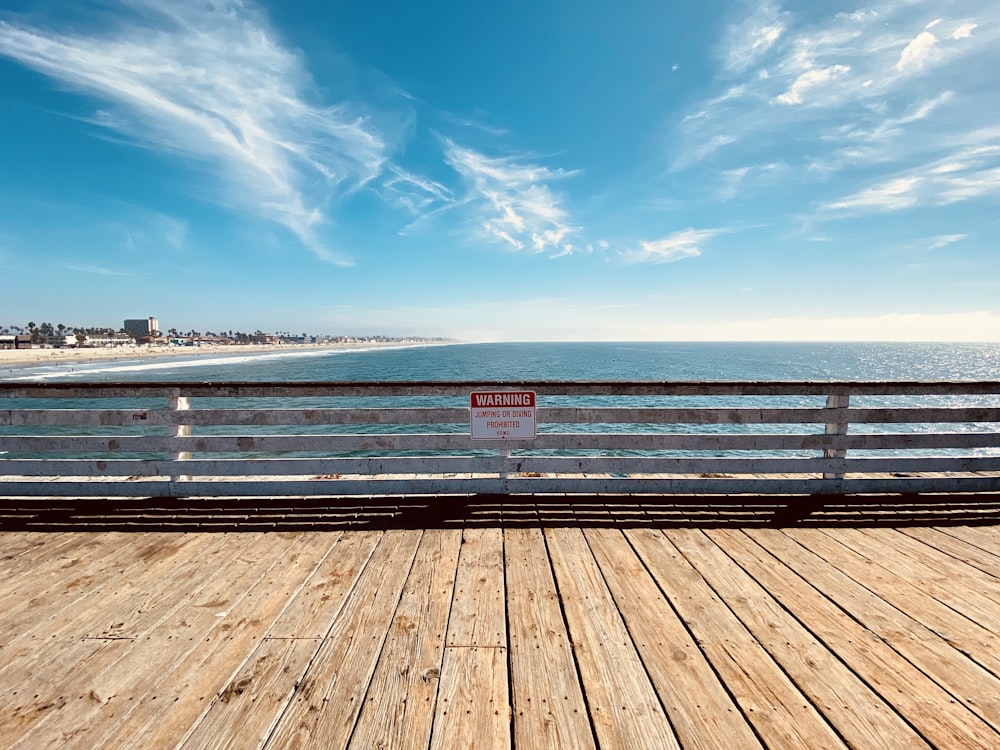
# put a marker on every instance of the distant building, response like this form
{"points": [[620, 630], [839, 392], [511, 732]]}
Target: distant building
{"points": [[15, 342], [142, 329], [97, 341], [61, 340]]}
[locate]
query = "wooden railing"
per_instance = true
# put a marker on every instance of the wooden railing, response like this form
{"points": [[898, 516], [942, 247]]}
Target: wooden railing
{"points": [[388, 439]]}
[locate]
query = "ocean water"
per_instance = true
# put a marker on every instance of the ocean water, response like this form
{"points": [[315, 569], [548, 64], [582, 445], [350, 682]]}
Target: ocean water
{"points": [[563, 361], [557, 361]]}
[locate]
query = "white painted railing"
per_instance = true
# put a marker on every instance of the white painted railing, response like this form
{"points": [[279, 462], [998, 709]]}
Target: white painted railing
{"points": [[389, 439]]}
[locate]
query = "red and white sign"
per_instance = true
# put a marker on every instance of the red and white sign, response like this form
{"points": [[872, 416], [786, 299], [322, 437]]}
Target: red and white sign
{"points": [[502, 415]]}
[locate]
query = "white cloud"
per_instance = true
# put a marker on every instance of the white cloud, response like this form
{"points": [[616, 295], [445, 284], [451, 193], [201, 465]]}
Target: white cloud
{"points": [[890, 195], [967, 172], [704, 150], [945, 240], [412, 192], [212, 84], [810, 79], [678, 246], [829, 78], [917, 53], [977, 184], [749, 39], [512, 199], [964, 31]]}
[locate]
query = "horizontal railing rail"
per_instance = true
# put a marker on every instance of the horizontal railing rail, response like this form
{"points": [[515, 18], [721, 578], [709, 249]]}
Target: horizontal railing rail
{"points": [[405, 438]]}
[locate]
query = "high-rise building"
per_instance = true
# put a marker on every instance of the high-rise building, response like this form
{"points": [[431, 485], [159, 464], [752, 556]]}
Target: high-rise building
{"points": [[142, 328]]}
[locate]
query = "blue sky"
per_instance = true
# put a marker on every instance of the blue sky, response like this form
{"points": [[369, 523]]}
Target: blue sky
{"points": [[529, 170]]}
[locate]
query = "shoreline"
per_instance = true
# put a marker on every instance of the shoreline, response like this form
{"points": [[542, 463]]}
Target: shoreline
{"points": [[21, 359]]}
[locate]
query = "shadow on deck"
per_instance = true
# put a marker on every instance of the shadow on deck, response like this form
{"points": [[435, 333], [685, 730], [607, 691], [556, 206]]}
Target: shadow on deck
{"points": [[486, 511]]}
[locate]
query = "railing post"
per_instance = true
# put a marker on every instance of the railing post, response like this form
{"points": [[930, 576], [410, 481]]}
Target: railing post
{"points": [[836, 424], [178, 403], [504, 469]]}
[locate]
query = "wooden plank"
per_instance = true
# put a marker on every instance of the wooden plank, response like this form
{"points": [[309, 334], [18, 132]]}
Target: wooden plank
{"points": [[780, 714], [331, 694], [985, 537], [426, 465], [19, 549], [57, 602], [472, 710], [317, 605], [546, 696], [166, 577], [700, 710], [243, 467], [250, 706], [624, 707], [977, 598], [42, 693], [89, 600], [133, 682], [184, 691], [382, 441], [25, 556], [978, 643], [981, 589], [986, 560], [477, 616], [462, 389], [113, 681], [694, 415], [473, 707], [263, 417], [846, 699], [244, 714], [39, 582], [400, 704], [942, 692], [513, 484], [379, 442]]}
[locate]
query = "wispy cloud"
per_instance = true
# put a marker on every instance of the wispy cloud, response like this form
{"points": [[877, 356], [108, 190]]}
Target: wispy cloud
{"points": [[512, 200], [829, 80], [687, 243], [212, 84], [809, 80], [412, 192], [101, 271], [748, 39], [945, 240], [146, 230], [891, 195], [964, 173]]}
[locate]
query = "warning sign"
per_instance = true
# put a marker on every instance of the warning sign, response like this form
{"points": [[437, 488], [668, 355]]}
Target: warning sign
{"points": [[502, 415]]}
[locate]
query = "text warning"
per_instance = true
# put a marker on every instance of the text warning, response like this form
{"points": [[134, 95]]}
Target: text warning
{"points": [[502, 415]]}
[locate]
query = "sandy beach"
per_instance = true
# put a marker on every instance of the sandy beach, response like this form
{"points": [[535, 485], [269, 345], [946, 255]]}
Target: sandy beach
{"points": [[34, 357]]}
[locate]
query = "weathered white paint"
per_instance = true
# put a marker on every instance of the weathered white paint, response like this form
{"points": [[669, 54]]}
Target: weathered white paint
{"points": [[174, 440]]}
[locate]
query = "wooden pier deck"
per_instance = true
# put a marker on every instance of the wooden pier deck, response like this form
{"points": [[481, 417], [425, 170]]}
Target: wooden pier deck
{"points": [[686, 623]]}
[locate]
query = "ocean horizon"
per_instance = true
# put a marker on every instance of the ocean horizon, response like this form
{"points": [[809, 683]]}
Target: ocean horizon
{"points": [[767, 361]]}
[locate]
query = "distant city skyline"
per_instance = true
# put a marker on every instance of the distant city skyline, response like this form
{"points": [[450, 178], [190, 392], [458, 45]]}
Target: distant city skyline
{"points": [[45, 329], [531, 171]]}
